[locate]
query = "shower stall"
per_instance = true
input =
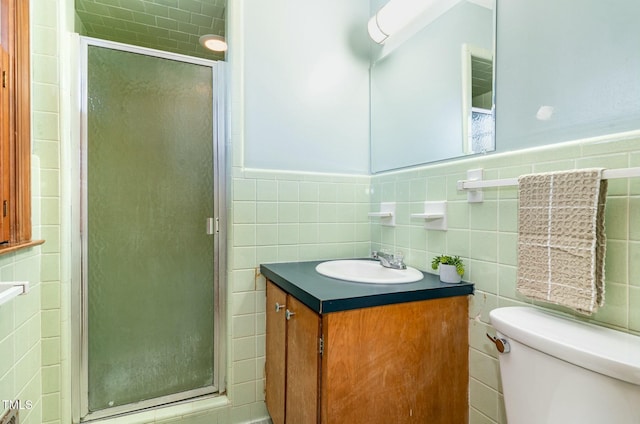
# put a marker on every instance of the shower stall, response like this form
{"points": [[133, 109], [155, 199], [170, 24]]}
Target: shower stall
{"points": [[151, 241]]}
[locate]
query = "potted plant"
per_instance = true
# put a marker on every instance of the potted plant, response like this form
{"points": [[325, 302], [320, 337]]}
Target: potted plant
{"points": [[451, 268]]}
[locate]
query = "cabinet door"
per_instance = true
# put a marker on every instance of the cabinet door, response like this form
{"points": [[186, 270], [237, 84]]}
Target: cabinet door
{"points": [[275, 352], [303, 364], [402, 364]]}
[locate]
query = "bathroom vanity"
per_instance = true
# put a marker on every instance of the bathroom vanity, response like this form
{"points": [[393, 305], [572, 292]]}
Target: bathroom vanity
{"points": [[342, 352]]}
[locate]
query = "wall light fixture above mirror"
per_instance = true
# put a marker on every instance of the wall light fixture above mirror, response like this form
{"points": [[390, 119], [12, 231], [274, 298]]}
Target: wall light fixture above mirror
{"points": [[394, 16], [400, 19]]}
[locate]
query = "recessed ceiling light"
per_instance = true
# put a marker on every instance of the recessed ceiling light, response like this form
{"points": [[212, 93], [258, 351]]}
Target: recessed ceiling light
{"points": [[212, 42]]}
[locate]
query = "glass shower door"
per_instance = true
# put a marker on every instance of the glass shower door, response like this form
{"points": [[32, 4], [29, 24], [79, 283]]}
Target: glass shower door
{"points": [[148, 257]]}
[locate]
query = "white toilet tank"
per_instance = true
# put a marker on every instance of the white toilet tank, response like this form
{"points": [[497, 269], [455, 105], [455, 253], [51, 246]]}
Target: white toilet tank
{"points": [[560, 371]]}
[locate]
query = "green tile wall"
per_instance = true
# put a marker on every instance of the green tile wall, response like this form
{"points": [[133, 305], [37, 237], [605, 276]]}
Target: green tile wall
{"points": [[169, 25], [280, 217], [46, 135], [30, 324], [486, 236], [20, 337]]}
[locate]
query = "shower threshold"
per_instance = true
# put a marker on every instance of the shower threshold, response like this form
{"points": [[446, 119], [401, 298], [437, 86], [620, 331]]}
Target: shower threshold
{"points": [[152, 404]]}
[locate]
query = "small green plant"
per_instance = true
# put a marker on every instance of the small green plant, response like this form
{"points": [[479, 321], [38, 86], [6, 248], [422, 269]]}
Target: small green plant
{"points": [[448, 260]]}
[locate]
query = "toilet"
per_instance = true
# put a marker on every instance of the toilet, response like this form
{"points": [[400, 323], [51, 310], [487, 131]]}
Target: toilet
{"points": [[556, 370]]}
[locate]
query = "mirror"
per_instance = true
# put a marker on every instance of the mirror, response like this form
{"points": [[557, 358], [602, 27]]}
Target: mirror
{"points": [[432, 95]]}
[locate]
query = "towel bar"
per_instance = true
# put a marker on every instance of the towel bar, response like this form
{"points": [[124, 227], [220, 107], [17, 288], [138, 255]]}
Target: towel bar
{"points": [[474, 184], [10, 290]]}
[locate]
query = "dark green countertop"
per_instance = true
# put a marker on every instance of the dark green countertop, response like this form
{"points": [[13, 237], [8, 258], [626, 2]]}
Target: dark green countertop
{"points": [[324, 294]]}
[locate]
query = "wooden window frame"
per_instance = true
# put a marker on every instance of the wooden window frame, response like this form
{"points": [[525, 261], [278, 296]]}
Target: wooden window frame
{"points": [[15, 127]]}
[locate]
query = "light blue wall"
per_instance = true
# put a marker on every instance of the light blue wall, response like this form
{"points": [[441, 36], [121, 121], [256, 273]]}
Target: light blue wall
{"points": [[306, 85], [581, 59]]}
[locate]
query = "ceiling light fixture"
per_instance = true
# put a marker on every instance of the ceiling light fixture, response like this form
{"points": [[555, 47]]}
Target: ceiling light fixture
{"points": [[214, 43]]}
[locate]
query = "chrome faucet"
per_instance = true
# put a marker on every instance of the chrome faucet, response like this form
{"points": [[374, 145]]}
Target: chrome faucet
{"points": [[389, 260]]}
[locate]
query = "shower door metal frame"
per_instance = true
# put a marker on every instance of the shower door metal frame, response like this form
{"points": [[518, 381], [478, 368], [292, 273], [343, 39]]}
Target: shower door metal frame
{"points": [[80, 246]]}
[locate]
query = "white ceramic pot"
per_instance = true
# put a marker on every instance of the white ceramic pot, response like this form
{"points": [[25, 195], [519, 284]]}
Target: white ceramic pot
{"points": [[449, 274]]}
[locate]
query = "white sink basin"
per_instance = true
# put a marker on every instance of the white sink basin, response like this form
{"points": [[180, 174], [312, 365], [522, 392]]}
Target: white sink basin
{"points": [[365, 271]]}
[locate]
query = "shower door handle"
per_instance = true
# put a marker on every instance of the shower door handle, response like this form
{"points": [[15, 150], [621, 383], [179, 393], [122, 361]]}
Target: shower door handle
{"points": [[213, 226]]}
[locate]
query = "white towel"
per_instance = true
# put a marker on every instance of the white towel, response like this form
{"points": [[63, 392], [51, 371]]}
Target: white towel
{"points": [[561, 239]]}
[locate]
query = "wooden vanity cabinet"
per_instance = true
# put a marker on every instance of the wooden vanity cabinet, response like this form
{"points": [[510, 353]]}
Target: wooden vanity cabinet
{"points": [[293, 359], [400, 363]]}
